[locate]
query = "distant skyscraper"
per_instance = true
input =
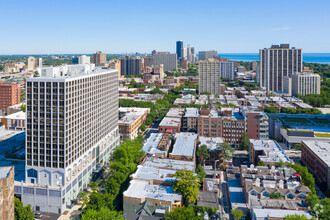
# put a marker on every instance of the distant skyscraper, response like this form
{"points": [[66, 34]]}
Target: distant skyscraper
{"points": [[99, 58], [168, 60], [130, 66], [277, 62], [179, 46], [205, 55], [72, 126], [34, 63], [148, 61], [153, 52], [84, 59], [227, 70]]}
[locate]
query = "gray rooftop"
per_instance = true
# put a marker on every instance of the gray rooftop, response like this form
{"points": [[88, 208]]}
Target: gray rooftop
{"points": [[170, 164], [321, 149], [4, 172], [185, 144]]}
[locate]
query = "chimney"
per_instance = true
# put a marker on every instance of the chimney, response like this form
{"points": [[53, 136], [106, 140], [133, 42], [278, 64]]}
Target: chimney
{"points": [[258, 182], [281, 184]]}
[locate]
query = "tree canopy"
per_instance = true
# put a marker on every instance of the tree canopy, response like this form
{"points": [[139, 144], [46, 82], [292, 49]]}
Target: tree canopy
{"points": [[244, 142], [21, 212], [203, 153], [237, 214], [187, 183]]}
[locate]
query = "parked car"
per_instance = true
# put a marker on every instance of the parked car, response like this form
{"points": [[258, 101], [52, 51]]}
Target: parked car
{"points": [[38, 215]]}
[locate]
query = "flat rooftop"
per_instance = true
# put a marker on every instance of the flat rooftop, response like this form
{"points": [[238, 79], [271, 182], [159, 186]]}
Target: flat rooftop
{"points": [[191, 113], [185, 144], [128, 119], [150, 146], [211, 143], [153, 173], [18, 115], [169, 164], [272, 149], [175, 112], [143, 189], [321, 149], [167, 121], [4, 172], [277, 213]]}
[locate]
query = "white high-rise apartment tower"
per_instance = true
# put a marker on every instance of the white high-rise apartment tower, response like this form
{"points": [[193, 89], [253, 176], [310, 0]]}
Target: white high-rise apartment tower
{"points": [[84, 59], [72, 126], [277, 62]]}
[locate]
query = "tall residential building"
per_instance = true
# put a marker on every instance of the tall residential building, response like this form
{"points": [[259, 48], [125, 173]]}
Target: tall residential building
{"points": [[34, 63], [277, 62], [130, 66], [10, 94], [306, 83], [72, 126], [7, 203], [179, 46], [116, 64], [148, 61], [99, 58], [209, 77], [84, 59], [227, 70], [205, 55], [168, 60]]}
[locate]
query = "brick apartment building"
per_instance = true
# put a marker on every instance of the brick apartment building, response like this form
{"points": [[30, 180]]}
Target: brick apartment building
{"points": [[10, 94]]}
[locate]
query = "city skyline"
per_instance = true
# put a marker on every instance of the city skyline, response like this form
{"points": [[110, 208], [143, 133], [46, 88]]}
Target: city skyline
{"points": [[231, 29]]}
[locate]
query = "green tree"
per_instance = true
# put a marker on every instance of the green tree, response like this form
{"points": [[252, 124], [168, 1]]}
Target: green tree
{"points": [[275, 195], [83, 196], [237, 214], [21, 212], [244, 142], [279, 164], [182, 213], [200, 173], [93, 186], [261, 163], [187, 183], [203, 153], [295, 217], [23, 108], [102, 214], [270, 109], [225, 153], [143, 127]]}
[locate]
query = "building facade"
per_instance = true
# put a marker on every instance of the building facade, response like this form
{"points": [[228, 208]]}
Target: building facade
{"points": [[72, 126], [10, 94], [277, 62], [7, 203], [99, 58], [227, 70], [315, 155], [168, 60], [306, 83], [130, 66], [34, 63], [256, 123], [84, 59], [205, 55], [209, 77]]}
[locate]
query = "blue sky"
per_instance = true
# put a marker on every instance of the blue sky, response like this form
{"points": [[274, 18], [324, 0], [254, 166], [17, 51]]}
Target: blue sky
{"points": [[126, 26]]}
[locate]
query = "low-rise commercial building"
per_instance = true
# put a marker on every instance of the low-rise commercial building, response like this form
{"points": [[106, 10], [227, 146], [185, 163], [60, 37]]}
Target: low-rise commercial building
{"points": [[14, 121], [130, 121], [267, 151], [158, 144], [170, 124], [316, 156], [184, 147], [190, 120]]}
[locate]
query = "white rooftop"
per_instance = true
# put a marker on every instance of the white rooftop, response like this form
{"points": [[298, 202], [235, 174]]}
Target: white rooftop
{"points": [[150, 146], [153, 173], [277, 213], [4, 172], [185, 144], [191, 112], [211, 143], [167, 121], [18, 115], [142, 189], [170, 164], [321, 149], [271, 148]]}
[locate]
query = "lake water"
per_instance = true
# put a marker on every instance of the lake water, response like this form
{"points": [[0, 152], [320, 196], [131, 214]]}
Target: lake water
{"points": [[322, 58]]}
